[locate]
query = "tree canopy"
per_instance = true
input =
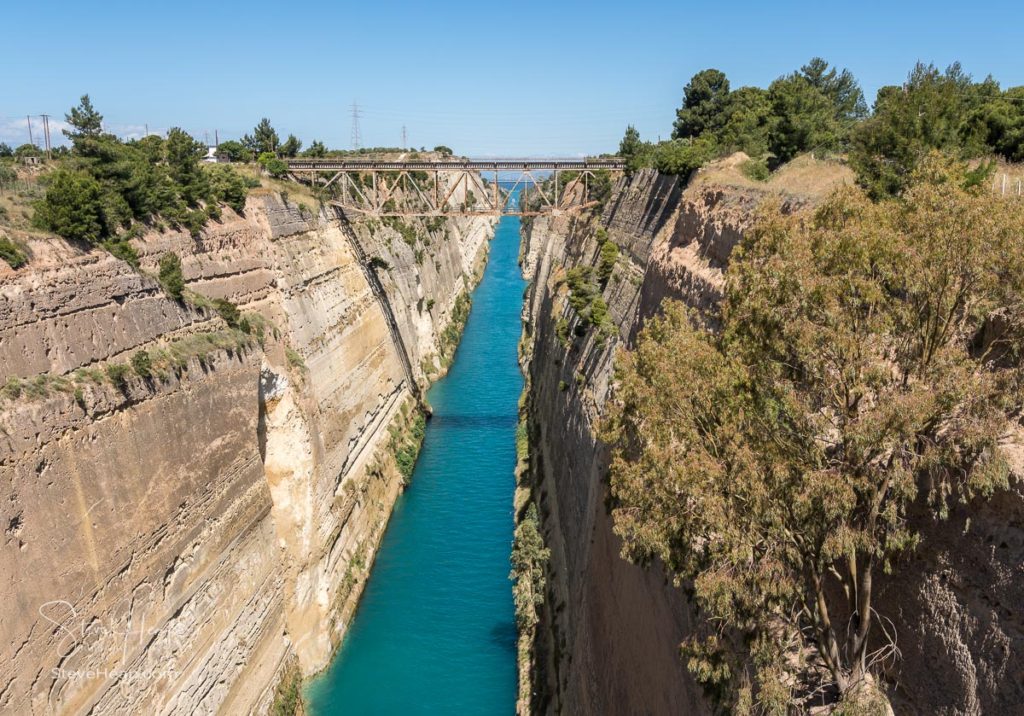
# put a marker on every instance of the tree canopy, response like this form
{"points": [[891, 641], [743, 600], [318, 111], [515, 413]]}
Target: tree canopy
{"points": [[263, 139], [106, 185], [935, 110], [866, 359], [820, 108]]}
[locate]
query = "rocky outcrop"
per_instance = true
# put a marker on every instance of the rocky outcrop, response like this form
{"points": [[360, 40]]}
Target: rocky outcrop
{"points": [[609, 633], [175, 536]]}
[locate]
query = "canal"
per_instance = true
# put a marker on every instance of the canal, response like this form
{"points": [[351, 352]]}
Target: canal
{"points": [[435, 629]]}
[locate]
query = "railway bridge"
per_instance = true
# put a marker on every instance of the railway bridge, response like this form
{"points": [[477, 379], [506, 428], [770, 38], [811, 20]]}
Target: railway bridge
{"points": [[458, 187]]}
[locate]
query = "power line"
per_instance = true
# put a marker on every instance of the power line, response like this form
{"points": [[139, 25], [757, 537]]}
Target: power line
{"points": [[356, 141]]}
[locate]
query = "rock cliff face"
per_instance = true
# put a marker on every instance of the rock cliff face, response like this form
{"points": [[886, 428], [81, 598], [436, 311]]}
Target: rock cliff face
{"points": [[609, 633], [175, 543]]}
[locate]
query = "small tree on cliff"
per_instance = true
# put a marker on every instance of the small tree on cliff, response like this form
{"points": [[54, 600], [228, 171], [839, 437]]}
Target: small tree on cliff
{"points": [[868, 357], [263, 140]]}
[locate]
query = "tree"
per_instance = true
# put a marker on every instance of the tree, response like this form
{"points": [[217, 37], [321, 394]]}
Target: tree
{"points": [[291, 146], [235, 151], [633, 150], [183, 155], [7, 176], [27, 150], [228, 186], [864, 362], [803, 119], [263, 140], [316, 148], [682, 156], [746, 118], [443, 150], [529, 560], [72, 207], [171, 277], [840, 87], [703, 99], [84, 120], [274, 166], [5, 150], [927, 113]]}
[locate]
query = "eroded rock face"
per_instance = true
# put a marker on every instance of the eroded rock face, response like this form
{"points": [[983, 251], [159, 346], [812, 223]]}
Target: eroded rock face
{"points": [[608, 641], [171, 544]]}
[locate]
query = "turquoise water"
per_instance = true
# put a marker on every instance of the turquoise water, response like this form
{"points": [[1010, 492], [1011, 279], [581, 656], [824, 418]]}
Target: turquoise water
{"points": [[435, 629]]}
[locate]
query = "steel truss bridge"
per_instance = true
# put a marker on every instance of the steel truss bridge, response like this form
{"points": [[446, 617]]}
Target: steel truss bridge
{"points": [[456, 187]]}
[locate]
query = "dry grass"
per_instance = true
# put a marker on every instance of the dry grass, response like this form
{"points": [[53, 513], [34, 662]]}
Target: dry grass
{"points": [[297, 192], [804, 176]]}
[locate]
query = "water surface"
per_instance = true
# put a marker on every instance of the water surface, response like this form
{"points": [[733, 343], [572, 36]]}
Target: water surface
{"points": [[435, 629]]}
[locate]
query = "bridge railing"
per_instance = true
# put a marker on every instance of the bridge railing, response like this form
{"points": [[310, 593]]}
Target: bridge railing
{"points": [[489, 165]]}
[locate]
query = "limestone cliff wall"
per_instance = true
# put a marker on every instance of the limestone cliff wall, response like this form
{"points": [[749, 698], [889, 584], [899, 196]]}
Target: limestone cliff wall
{"points": [[172, 543], [609, 634]]}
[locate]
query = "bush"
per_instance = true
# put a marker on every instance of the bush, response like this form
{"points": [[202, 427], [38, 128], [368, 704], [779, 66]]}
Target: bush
{"points": [[12, 253], [529, 560], [273, 166], [171, 277], [228, 311], [121, 248], [142, 364], [755, 169], [109, 184], [118, 374], [72, 207], [609, 257], [294, 358]]}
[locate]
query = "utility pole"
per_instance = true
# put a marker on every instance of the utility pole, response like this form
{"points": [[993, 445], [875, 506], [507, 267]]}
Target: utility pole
{"points": [[356, 140], [147, 128], [30, 140], [216, 137], [46, 135], [405, 144]]}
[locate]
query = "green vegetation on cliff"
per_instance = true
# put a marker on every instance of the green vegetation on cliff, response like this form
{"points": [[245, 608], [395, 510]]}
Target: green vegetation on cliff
{"points": [[529, 560], [105, 186], [821, 109], [868, 357]]}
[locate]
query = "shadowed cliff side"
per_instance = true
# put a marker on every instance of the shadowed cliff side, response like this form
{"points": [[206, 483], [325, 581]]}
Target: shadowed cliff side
{"points": [[609, 631]]}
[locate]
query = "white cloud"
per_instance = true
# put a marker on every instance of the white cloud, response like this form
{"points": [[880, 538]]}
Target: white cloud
{"points": [[14, 131]]}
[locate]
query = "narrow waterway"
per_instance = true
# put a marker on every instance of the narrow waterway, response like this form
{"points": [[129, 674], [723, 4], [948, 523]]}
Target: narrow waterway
{"points": [[435, 629]]}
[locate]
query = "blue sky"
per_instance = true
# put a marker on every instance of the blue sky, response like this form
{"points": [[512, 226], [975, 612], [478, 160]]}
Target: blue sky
{"points": [[520, 78]]}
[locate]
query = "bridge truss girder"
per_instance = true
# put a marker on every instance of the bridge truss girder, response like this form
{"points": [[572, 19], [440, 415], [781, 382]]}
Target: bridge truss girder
{"points": [[494, 198]]}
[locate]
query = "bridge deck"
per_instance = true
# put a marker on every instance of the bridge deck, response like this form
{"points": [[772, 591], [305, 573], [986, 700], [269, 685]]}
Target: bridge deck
{"points": [[499, 165]]}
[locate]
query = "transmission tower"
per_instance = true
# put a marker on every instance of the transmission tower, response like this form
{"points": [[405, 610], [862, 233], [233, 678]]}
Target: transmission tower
{"points": [[405, 144], [356, 141]]}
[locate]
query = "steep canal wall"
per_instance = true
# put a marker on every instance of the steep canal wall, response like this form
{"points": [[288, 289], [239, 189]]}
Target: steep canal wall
{"points": [[192, 497], [609, 631]]}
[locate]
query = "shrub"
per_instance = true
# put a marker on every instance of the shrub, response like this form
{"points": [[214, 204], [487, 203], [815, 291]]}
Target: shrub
{"points": [[529, 560], [142, 364], [171, 277], [755, 169], [376, 262], [778, 471], [118, 374], [72, 207], [295, 359], [228, 311], [609, 257], [121, 248], [12, 253]]}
